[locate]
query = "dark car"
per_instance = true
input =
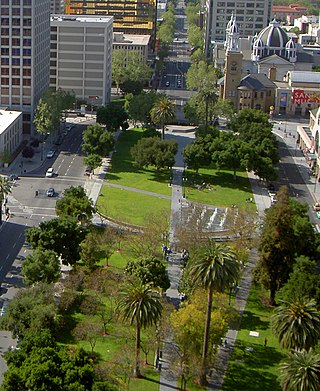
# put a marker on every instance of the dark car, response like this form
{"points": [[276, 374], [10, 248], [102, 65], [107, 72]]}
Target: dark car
{"points": [[88, 171], [13, 177], [50, 192]]}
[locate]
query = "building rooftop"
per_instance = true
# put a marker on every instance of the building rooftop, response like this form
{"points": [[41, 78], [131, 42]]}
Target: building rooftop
{"points": [[132, 39], [7, 117], [81, 18], [305, 77]]}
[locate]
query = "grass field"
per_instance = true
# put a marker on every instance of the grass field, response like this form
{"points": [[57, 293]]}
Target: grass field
{"points": [[130, 207], [253, 366]]}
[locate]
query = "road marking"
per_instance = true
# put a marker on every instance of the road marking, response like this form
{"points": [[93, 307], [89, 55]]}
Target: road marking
{"points": [[20, 235], [8, 256], [14, 245]]}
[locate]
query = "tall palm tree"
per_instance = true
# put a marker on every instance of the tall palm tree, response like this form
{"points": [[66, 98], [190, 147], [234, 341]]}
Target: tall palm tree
{"points": [[5, 189], [215, 268], [300, 371], [297, 324], [140, 305], [162, 112]]}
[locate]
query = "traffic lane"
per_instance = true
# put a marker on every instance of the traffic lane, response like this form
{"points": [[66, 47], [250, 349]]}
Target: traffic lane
{"points": [[290, 175], [11, 241]]}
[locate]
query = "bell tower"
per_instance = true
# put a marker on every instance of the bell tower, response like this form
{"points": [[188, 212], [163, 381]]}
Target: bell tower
{"points": [[233, 64]]}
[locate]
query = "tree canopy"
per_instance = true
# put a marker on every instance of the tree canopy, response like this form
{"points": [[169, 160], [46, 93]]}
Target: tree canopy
{"points": [[42, 266], [155, 152], [114, 116], [62, 235], [97, 140], [75, 203]]}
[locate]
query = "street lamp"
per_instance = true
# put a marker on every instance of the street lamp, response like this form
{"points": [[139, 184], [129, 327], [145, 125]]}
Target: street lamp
{"points": [[184, 184]]}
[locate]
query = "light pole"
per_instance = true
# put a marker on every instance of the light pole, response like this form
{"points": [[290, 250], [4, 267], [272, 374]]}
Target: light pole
{"points": [[184, 184]]}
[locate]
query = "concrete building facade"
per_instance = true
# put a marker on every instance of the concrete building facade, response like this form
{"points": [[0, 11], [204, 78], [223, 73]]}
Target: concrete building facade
{"points": [[81, 56], [132, 43], [25, 55], [252, 17], [10, 131], [57, 6]]}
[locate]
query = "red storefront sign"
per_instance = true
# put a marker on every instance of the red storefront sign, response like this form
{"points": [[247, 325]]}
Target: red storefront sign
{"points": [[299, 96]]}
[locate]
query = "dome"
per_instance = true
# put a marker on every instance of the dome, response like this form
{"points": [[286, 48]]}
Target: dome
{"points": [[274, 36], [290, 44]]}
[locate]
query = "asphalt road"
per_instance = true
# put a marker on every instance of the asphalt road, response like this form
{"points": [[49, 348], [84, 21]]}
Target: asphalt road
{"points": [[28, 209]]}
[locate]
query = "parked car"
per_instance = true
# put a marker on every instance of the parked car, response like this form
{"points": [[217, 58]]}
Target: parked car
{"points": [[50, 192], [58, 141], [13, 177], [50, 172], [51, 153], [167, 83], [88, 170], [316, 207]]}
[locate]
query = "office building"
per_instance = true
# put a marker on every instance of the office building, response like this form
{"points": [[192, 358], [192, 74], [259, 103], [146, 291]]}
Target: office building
{"points": [[57, 6], [130, 16], [10, 131], [25, 55], [132, 43], [252, 16], [81, 56]]}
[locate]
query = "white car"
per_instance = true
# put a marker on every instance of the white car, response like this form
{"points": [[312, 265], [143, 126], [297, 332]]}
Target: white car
{"points": [[50, 172], [51, 153]]}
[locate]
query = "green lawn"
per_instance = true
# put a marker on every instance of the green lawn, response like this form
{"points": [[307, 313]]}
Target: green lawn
{"points": [[129, 206], [258, 369], [123, 172], [225, 191]]}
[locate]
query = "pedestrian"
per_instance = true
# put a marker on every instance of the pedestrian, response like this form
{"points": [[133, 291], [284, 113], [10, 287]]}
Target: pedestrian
{"points": [[265, 341]]}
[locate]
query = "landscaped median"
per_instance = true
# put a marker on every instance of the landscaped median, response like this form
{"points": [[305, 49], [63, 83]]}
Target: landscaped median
{"points": [[254, 363]]}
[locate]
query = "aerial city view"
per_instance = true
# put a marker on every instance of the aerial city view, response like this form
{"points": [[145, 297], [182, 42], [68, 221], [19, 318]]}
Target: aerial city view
{"points": [[160, 195]]}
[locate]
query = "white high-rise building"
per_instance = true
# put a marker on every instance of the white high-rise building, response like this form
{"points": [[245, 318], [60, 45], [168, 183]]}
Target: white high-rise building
{"points": [[25, 55], [252, 16], [81, 56]]}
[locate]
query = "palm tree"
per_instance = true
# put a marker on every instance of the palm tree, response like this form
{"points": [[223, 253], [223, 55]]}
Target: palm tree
{"points": [[162, 112], [5, 188], [140, 305], [215, 268], [301, 371], [297, 324]]}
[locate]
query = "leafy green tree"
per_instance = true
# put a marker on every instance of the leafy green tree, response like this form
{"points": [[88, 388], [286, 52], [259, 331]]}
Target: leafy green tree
{"points": [[140, 305], [118, 67], [162, 113], [300, 371], [303, 281], [32, 309], [297, 324], [214, 267], [75, 203], [97, 140], [155, 152], [195, 36], [197, 56], [279, 245], [45, 119], [62, 235], [197, 154], [223, 108], [89, 332], [139, 106], [113, 116], [150, 271], [93, 161], [5, 189], [42, 266], [90, 251], [192, 13]]}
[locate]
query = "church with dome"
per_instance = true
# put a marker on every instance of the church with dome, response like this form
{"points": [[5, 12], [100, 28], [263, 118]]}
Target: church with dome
{"points": [[266, 71], [273, 47]]}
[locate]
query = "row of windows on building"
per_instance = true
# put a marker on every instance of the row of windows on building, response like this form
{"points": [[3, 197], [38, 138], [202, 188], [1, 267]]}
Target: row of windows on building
{"points": [[6, 11], [15, 22], [15, 52], [240, 5], [26, 62], [15, 81], [221, 33], [7, 32], [240, 12], [15, 71], [16, 2]]}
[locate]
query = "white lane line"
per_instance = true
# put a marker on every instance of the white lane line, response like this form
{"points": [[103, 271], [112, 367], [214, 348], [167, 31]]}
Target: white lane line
{"points": [[20, 235], [8, 256], [14, 245]]}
